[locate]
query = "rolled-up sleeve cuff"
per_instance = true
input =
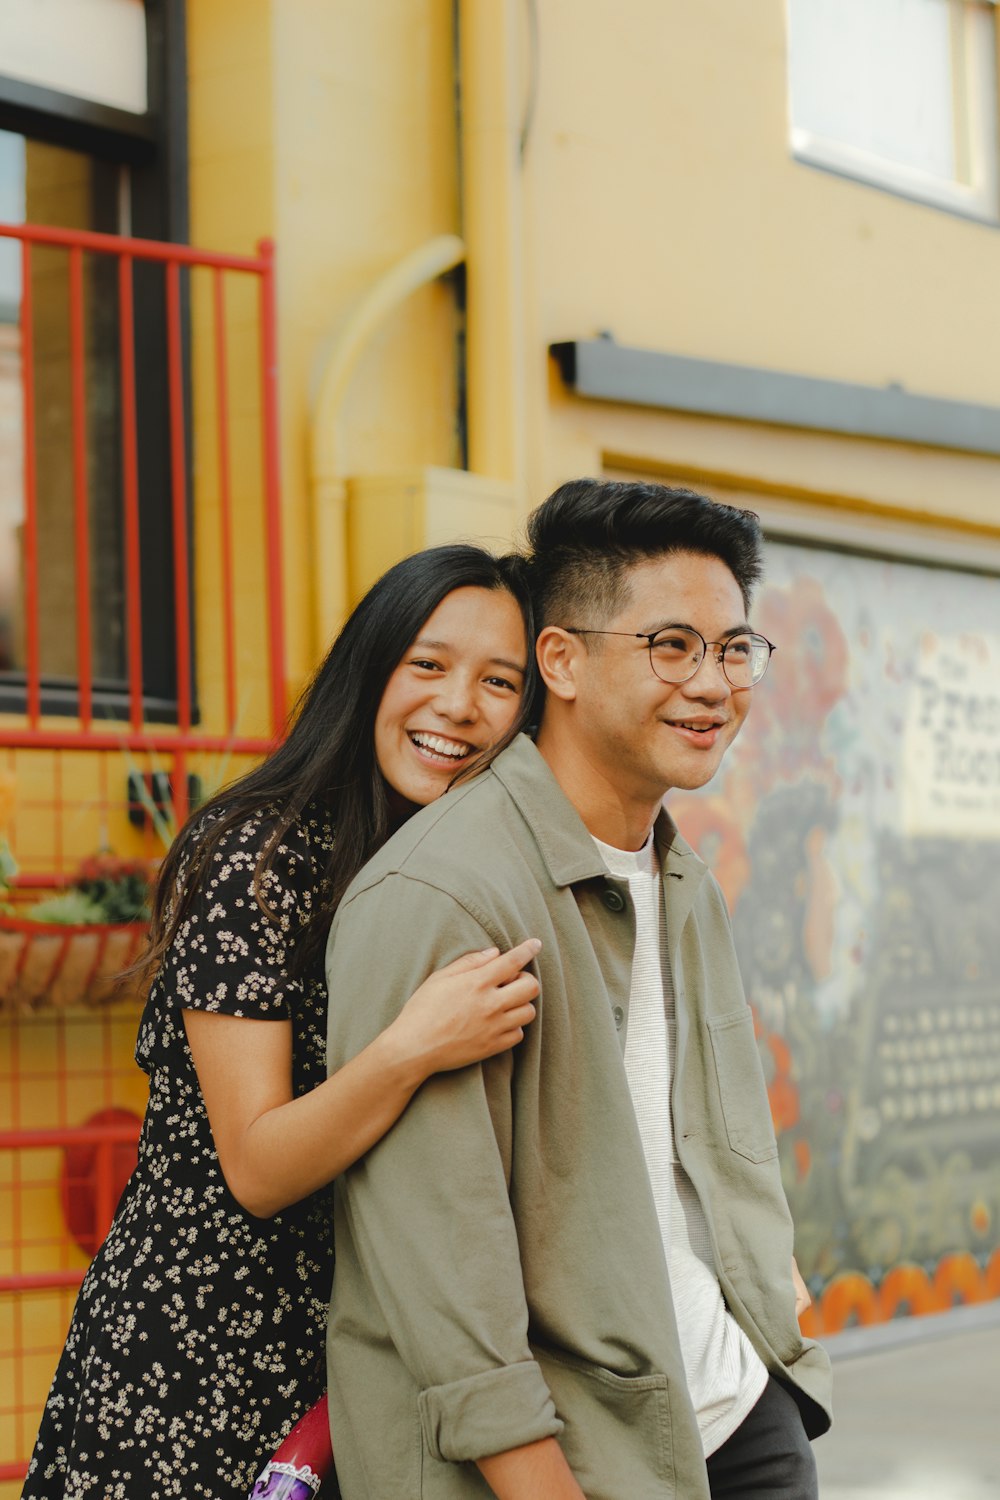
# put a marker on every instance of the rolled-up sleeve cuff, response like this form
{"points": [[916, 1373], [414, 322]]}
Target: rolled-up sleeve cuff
{"points": [[488, 1413]]}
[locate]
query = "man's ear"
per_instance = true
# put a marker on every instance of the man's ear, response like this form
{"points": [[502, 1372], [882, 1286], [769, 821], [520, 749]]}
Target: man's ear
{"points": [[558, 655]]}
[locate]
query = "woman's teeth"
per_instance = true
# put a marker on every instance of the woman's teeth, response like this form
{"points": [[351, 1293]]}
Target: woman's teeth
{"points": [[433, 742]]}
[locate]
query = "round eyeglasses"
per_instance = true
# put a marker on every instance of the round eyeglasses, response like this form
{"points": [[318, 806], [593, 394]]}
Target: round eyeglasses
{"points": [[676, 653]]}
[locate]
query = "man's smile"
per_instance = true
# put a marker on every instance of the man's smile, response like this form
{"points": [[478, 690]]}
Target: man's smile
{"points": [[698, 729]]}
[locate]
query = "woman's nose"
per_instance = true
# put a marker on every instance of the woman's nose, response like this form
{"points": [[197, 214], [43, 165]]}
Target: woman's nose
{"points": [[456, 701]]}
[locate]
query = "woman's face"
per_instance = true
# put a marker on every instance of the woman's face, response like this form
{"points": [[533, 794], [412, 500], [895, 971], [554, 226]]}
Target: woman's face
{"points": [[454, 693]]}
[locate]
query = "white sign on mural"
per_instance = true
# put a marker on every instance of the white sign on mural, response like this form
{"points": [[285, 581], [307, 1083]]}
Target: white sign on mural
{"points": [[951, 755]]}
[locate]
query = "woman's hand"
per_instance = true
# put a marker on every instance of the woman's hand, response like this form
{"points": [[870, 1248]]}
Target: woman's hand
{"points": [[474, 1008], [275, 1149]]}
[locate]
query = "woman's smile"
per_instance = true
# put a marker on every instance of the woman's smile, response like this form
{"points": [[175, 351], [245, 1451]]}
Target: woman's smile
{"points": [[438, 750]]}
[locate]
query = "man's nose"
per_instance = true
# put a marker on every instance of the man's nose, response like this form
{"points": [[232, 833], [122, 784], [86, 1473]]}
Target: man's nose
{"points": [[709, 681]]}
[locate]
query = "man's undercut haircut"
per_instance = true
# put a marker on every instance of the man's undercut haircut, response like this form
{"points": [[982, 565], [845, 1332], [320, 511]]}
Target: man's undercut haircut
{"points": [[588, 535]]}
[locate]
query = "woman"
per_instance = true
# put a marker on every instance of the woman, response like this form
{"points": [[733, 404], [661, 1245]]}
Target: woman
{"points": [[197, 1338]]}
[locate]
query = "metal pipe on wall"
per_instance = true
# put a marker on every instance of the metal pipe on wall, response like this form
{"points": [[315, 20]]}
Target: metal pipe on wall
{"points": [[490, 133], [328, 482]]}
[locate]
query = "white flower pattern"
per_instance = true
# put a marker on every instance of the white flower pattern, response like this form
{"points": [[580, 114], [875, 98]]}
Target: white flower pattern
{"points": [[197, 1338]]}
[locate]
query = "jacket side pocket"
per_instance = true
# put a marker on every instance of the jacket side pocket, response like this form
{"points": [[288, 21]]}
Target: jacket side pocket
{"points": [[742, 1089], [617, 1437]]}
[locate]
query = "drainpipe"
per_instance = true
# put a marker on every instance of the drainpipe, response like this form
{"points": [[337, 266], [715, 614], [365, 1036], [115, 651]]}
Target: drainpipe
{"points": [[328, 483], [490, 128]]}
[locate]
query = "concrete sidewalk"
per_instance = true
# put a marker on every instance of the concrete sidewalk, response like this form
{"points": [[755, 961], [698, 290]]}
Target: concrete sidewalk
{"points": [[918, 1416]]}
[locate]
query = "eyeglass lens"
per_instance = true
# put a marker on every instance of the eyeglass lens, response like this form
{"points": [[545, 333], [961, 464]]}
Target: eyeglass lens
{"points": [[677, 655]]}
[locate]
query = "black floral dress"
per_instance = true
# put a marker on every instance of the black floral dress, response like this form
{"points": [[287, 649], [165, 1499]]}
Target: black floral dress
{"points": [[197, 1338]]}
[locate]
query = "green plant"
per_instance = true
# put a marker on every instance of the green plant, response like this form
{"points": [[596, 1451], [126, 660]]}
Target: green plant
{"points": [[117, 888], [105, 889], [8, 864], [70, 908]]}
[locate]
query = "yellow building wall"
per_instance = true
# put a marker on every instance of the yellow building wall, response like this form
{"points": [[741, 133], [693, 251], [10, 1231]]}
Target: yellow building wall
{"points": [[650, 191], [662, 204], [331, 129], [666, 206]]}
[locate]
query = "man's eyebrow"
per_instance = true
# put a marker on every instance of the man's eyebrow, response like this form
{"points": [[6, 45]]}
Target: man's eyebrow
{"points": [[726, 635], [494, 661]]}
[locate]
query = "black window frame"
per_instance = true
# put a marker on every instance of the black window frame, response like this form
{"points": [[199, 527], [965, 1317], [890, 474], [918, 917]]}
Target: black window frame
{"points": [[153, 148]]}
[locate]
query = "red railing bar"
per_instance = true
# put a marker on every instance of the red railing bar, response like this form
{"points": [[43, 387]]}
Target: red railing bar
{"points": [[70, 739], [130, 490], [66, 1135], [40, 1281], [178, 494], [16, 1225], [30, 491], [225, 500], [113, 244], [13, 1471], [272, 484], [80, 505]]}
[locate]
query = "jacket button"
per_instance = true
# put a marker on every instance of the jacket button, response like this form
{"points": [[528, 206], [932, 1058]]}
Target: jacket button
{"points": [[613, 898], [619, 1016]]}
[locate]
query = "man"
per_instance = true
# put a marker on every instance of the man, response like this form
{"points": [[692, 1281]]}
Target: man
{"points": [[567, 1271]]}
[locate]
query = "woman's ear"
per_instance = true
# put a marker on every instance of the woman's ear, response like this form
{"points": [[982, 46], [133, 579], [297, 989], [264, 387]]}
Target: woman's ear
{"points": [[558, 653]]}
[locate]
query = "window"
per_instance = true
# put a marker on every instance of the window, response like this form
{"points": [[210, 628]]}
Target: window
{"points": [[99, 148], [44, 184], [899, 93], [49, 43]]}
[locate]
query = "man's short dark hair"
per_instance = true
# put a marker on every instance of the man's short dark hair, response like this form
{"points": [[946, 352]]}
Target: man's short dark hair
{"points": [[589, 533]]}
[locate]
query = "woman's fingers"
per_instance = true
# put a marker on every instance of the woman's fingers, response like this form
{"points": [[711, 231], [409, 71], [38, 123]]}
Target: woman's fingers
{"points": [[476, 960], [498, 968], [505, 1041], [506, 965], [522, 1016], [518, 992]]}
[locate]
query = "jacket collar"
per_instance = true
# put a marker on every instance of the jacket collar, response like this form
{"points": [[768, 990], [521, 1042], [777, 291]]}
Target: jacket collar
{"points": [[564, 843]]}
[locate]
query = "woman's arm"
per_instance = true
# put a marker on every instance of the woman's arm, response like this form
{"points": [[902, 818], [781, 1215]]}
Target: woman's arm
{"points": [[275, 1149]]}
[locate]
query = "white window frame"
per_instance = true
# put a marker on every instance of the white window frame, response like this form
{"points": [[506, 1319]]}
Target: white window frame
{"points": [[977, 147]]}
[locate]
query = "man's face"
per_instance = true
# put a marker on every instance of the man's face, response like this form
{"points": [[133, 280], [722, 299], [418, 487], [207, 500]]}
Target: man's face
{"points": [[646, 735]]}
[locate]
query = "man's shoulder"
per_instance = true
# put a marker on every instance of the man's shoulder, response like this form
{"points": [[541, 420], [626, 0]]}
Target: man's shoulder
{"points": [[445, 844]]}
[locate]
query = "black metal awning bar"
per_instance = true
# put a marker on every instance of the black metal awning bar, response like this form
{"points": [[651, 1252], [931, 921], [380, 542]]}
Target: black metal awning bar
{"points": [[605, 371]]}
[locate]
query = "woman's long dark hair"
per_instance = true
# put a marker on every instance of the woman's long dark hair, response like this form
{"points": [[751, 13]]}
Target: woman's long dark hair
{"points": [[328, 756]]}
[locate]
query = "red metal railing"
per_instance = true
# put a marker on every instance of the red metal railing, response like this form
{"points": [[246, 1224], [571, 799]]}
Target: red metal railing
{"points": [[139, 736], [51, 1064], [48, 1092]]}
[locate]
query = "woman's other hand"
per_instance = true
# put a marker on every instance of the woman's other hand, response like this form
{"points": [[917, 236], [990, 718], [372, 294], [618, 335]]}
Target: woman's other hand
{"points": [[472, 1009], [802, 1297]]}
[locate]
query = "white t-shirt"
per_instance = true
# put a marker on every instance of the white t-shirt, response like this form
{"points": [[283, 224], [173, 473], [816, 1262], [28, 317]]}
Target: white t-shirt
{"points": [[725, 1375]]}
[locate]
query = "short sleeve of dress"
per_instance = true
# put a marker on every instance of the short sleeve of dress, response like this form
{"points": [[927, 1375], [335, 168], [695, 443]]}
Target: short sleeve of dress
{"points": [[228, 954]]}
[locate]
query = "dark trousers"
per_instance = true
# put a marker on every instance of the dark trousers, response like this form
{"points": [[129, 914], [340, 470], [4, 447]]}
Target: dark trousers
{"points": [[768, 1457]]}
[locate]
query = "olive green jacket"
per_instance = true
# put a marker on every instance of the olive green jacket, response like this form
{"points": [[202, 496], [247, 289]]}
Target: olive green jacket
{"points": [[500, 1274]]}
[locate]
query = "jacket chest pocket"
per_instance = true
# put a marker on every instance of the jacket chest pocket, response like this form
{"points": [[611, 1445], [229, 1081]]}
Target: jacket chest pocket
{"points": [[742, 1089]]}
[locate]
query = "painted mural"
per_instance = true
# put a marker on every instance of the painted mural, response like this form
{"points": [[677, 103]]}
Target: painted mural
{"points": [[855, 830]]}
